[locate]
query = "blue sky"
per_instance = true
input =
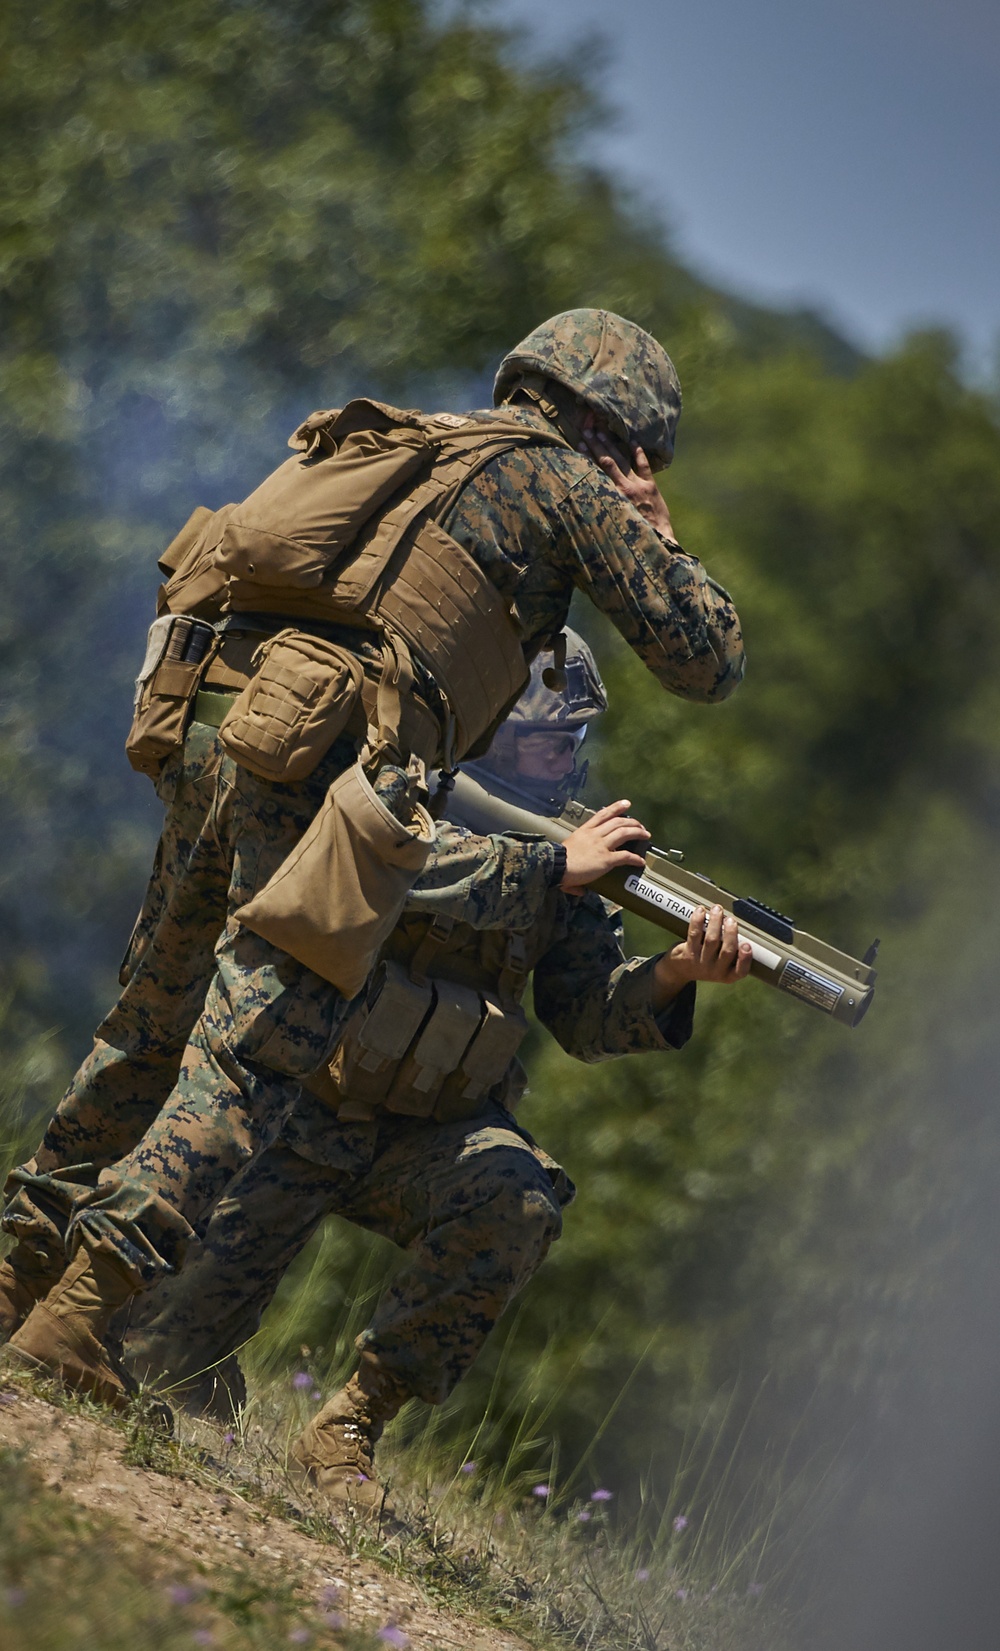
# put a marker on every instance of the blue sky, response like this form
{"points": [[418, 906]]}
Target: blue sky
{"points": [[846, 156]]}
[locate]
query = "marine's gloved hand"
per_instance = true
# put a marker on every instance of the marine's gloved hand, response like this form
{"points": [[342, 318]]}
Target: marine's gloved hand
{"points": [[599, 846], [638, 483], [712, 951]]}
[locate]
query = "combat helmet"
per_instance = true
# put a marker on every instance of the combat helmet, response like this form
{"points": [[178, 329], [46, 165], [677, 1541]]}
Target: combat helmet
{"points": [[609, 363], [564, 696]]}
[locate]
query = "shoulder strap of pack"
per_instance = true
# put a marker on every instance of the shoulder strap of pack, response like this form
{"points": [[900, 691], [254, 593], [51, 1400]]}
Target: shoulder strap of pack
{"points": [[459, 461]]}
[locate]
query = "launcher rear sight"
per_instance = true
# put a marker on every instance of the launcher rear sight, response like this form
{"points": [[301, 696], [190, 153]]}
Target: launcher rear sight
{"points": [[784, 956]]}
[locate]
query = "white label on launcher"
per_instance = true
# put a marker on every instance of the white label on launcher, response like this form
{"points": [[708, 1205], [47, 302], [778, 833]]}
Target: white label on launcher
{"points": [[657, 896]]}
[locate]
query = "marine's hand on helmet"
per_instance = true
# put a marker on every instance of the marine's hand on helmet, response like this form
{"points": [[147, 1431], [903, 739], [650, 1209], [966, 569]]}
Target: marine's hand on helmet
{"points": [[599, 846], [638, 484], [712, 951]]}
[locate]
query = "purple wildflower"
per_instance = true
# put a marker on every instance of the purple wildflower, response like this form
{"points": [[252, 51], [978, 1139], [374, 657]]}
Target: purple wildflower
{"points": [[15, 1597], [302, 1379], [333, 1619], [330, 1595], [542, 1491], [583, 1515], [315, 1395], [754, 1589], [299, 1636], [642, 1575], [180, 1594], [391, 1635], [468, 1467], [681, 1523], [203, 1636], [229, 1438], [8, 1398], [601, 1495], [682, 1594]]}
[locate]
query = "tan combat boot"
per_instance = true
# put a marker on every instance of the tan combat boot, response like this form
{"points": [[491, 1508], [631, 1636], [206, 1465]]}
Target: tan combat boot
{"points": [[27, 1273], [336, 1452], [64, 1334]]}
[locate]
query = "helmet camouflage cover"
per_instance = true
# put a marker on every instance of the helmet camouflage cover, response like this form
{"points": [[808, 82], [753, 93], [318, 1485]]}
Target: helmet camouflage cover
{"points": [[614, 366], [561, 709]]}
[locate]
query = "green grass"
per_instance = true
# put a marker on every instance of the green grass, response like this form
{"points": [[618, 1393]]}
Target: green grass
{"points": [[696, 1569], [68, 1582], [473, 1526], [478, 1542]]}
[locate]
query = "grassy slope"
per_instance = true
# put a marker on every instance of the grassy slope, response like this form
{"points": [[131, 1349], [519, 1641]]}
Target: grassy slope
{"points": [[111, 1537]]}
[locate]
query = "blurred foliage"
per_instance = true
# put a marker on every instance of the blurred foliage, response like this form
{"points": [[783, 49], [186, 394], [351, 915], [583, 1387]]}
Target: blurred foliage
{"points": [[217, 216]]}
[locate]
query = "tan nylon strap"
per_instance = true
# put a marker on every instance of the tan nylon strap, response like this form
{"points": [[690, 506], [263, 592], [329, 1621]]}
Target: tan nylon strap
{"points": [[437, 936], [457, 469], [463, 454], [394, 688], [513, 979]]}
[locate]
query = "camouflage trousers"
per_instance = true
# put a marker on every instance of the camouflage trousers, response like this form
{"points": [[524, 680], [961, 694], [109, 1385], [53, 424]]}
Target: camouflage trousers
{"points": [[225, 833], [474, 1203]]}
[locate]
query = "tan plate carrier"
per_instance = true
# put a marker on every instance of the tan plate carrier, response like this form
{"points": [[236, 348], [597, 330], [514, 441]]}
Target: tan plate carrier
{"points": [[346, 533]]}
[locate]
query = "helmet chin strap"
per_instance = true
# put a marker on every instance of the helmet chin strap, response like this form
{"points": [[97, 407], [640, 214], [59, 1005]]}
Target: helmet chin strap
{"points": [[560, 407], [554, 675], [568, 411]]}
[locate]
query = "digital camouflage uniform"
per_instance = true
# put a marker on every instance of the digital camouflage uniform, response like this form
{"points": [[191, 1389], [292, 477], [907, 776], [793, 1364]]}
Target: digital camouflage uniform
{"points": [[540, 524], [476, 1203], [225, 833]]}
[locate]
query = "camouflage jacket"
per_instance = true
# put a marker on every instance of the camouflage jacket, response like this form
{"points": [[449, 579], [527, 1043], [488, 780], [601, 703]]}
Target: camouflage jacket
{"points": [[544, 521], [596, 1002]]}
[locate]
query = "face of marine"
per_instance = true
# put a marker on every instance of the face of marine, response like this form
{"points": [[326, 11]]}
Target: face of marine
{"points": [[542, 755]]}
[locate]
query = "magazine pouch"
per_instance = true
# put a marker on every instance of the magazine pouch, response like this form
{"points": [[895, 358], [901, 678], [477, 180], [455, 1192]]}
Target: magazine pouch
{"points": [[419, 1048], [178, 651]]}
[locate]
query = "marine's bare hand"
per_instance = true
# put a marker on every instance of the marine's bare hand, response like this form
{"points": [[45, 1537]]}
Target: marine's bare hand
{"points": [[598, 846], [638, 484], [712, 951]]}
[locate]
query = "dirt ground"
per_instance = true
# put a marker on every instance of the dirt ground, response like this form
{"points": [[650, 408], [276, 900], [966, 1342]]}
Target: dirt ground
{"points": [[206, 1520]]}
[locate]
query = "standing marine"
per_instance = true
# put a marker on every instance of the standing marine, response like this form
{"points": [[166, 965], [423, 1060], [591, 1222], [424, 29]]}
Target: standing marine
{"points": [[383, 592]]}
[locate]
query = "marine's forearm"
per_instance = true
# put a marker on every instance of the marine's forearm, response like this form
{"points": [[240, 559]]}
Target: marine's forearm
{"points": [[487, 881], [679, 620], [605, 1012]]}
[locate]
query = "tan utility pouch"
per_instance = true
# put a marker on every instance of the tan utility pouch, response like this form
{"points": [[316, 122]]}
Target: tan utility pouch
{"points": [[420, 1049], [340, 892], [178, 651], [293, 708]]}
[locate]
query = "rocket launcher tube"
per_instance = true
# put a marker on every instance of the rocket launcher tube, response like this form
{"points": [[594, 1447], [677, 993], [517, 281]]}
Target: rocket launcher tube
{"points": [[665, 894]]}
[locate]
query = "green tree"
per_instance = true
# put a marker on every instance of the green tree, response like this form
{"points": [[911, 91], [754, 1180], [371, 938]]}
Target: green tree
{"points": [[216, 216]]}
